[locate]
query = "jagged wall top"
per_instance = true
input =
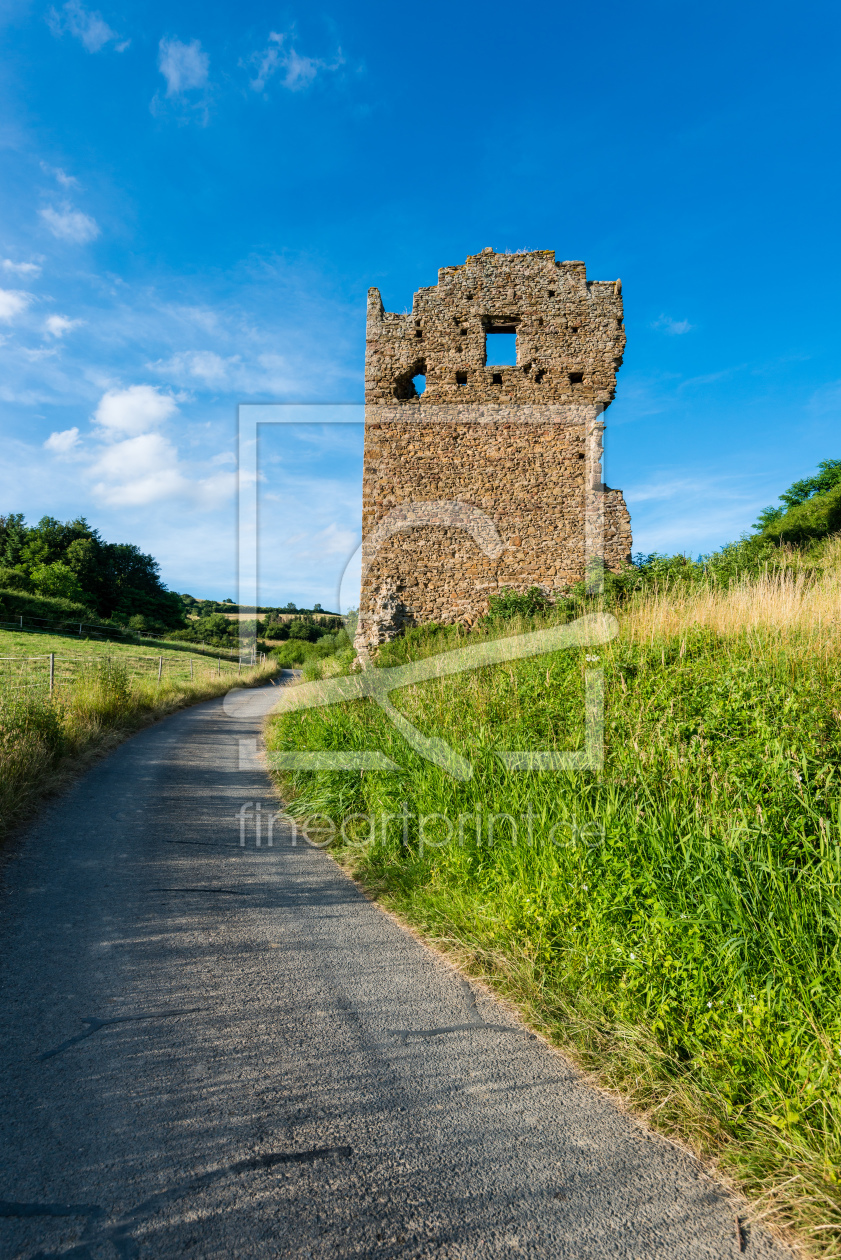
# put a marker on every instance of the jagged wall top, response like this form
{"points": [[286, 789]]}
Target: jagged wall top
{"points": [[570, 335]]}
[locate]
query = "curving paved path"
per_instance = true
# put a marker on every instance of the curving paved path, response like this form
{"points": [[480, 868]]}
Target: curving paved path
{"points": [[215, 1051]]}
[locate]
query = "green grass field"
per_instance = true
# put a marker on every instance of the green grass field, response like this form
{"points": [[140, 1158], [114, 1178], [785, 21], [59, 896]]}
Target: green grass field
{"points": [[26, 643], [674, 921]]}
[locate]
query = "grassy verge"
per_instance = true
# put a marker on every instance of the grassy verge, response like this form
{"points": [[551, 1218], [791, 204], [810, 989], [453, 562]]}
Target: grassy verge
{"points": [[44, 739], [675, 921]]}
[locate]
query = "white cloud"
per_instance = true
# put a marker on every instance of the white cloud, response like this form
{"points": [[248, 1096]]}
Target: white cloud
{"points": [[58, 325], [13, 302], [89, 27], [299, 71], [60, 176], [146, 469], [134, 410], [672, 327], [184, 66], [21, 268], [140, 470], [197, 365], [70, 225], [63, 442]]}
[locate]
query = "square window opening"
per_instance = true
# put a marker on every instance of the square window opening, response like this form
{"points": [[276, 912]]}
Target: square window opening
{"points": [[501, 347], [496, 379], [575, 378], [461, 378]]}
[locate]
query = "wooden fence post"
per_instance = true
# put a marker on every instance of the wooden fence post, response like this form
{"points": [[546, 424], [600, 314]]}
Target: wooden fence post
{"points": [[160, 667], [52, 671], [191, 669], [218, 666]]}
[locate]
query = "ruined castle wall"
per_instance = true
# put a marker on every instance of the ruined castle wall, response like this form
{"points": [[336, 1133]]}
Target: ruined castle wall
{"points": [[520, 446]]}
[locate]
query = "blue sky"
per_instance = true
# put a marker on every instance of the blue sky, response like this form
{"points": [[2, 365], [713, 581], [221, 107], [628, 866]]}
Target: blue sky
{"points": [[197, 197]]}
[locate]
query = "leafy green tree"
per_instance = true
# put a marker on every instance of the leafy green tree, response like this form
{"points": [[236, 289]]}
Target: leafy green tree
{"points": [[56, 579], [827, 478]]}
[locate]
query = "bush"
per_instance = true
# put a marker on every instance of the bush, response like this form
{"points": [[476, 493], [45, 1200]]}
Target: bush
{"points": [[14, 580], [304, 630], [509, 603], [57, 579], [816, 517]]}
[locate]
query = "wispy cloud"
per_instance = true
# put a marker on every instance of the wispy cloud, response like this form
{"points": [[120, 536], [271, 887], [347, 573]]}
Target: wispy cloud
{"points": [[60, 176], [58, 325], [204, 366], [672, 327], [68, 224], [85, 25], [826, 401], [184, 66], [280, 56], [13, 302], [21, 268]]}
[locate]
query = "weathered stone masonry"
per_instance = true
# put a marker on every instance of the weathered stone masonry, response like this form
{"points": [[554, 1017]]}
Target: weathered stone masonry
{"points": [[518, 445]]}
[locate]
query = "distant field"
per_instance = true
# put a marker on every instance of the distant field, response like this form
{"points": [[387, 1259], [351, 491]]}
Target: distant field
{"points": [[37, 643], [25, 661], [25, 643]]}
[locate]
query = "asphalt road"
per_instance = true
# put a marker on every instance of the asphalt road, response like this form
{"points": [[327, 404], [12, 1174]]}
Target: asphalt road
{"points": [[217, 1051]]}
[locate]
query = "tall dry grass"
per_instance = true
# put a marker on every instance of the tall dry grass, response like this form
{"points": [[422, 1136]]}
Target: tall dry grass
{"points": [[787, 602]]}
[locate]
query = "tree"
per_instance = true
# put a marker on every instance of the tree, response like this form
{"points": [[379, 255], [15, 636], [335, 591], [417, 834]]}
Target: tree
{"points": [[117, 580], [57, 579], [827, 477]]}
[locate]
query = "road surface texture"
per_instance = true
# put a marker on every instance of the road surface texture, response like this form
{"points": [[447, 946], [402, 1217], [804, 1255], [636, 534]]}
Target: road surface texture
{"points": [[221, 1051]]}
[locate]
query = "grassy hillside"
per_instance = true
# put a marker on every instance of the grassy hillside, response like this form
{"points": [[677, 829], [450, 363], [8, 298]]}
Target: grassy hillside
{"points": [[25, 643], [673, 921]]}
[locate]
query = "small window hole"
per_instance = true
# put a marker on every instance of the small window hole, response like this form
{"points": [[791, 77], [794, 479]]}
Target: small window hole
{"points": [[575, 378], [538, 376], [461, 378], [496, 379], [501, 347], [551, 292], [419, 382]]}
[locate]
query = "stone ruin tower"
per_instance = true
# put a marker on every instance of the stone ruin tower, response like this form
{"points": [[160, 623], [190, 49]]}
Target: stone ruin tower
{"points": [[479, 476]]}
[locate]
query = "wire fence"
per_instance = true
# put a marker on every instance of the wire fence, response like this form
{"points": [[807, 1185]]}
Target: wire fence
{"points": [[51, 672], [96, 630]]}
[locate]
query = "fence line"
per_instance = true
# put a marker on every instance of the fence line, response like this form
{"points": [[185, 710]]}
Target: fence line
{"points": [[100, 631], [50, 672]]}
